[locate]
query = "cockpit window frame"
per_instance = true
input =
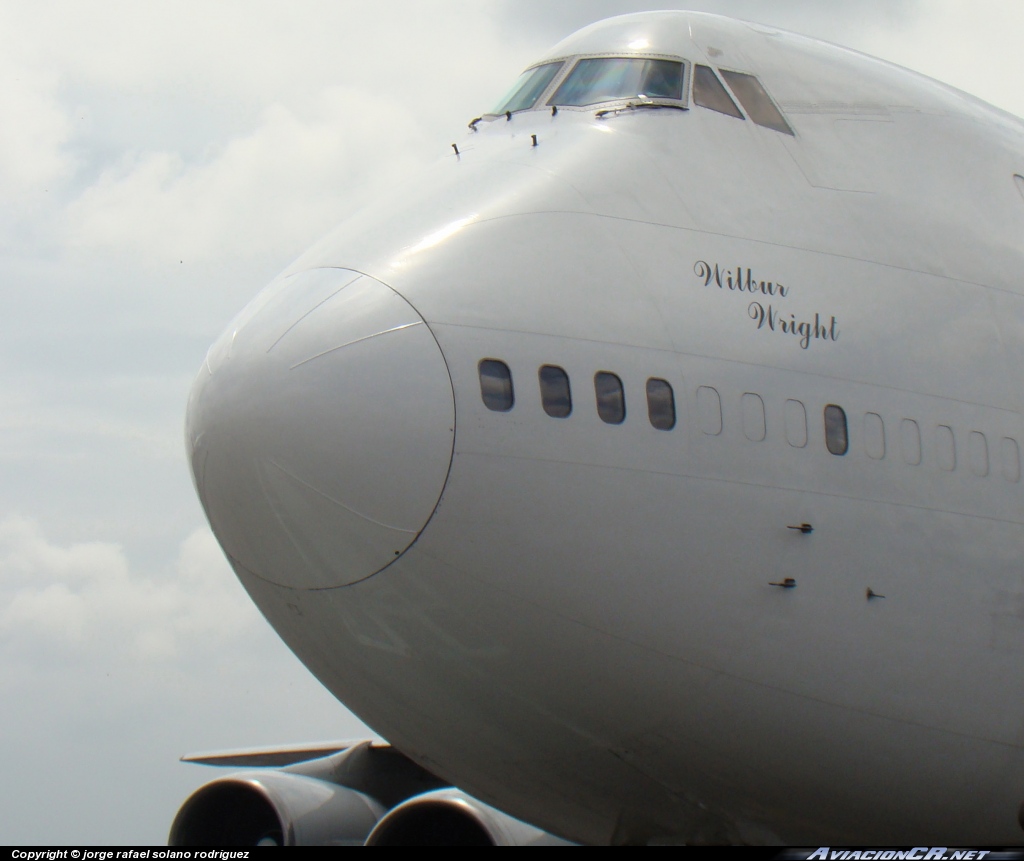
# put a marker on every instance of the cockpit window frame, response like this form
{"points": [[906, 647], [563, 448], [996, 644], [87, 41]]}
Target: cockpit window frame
{"points": [[555, 80], [553, 84], [575, 59], [777, 123], [717, 88], [569, 62]]}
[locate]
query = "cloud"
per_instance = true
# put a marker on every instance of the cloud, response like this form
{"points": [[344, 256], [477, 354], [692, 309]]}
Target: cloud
{"points": [[272, 188], [83, 603], [34, 133], [110, 671], [974, 47], [195, 131]]}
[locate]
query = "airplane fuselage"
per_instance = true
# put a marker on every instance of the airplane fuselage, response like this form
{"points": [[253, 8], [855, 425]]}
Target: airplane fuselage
{"points": [[767, 586]]}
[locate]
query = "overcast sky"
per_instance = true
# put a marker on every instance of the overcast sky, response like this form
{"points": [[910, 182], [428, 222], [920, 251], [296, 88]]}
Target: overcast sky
{"points": [[159, 163]]}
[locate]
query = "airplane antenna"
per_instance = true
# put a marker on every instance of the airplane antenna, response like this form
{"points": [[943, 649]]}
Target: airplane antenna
{"points": [[534, 139], [508, 115], [456, 148], [554, 110], [472, 123]]}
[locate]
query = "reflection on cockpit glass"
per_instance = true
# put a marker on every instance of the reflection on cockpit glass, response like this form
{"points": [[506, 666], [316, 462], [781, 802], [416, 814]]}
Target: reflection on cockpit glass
{"points": [[528, 88], [759, 106], [608, 78], [708, 92]]}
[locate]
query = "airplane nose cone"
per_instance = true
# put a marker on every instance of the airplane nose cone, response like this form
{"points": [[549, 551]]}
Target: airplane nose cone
{"points": [[320, 430]]}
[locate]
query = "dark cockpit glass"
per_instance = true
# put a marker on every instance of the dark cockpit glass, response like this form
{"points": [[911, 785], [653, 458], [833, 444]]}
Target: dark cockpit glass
{"points": [[531, 84], [606, 79], [708, 92], [755, 99]]}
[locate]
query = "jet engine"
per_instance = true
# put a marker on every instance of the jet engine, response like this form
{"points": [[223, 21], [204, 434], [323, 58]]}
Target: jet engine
{"points": [[340, 799], [313, 800], [274, 808], [449, 817]]}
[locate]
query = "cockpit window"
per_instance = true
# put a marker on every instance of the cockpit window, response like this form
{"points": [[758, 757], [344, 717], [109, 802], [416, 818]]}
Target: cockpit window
{"points": [[708, 92], [606, 79], [756, 101], [530, 86]]}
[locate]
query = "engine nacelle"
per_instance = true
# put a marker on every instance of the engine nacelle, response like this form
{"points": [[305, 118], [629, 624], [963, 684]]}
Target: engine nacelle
{"points": [[449, 817], [274, 808]]}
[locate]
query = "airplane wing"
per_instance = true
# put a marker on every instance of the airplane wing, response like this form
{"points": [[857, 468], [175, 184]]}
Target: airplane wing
{"points": [[272, 757]]}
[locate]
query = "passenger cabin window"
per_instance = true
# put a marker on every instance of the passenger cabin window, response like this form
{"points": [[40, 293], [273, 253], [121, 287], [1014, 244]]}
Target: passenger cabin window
{"points": [[554, 391], [1010, 457], [530, 87], [945, 447], [661, 404], [708, 92], [874, 436], [1019, 182], [611, 400], [977, 453], [795, 421], [910, 442], [606, 79], [496, 385], [756, 101], [837, 440], [753, 417], [709, 410]]}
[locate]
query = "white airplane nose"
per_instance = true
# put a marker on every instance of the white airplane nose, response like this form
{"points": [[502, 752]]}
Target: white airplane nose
{"points": [[320, 430]]}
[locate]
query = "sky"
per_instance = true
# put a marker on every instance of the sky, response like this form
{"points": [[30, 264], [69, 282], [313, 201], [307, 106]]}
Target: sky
{"points": [[159, 163]]}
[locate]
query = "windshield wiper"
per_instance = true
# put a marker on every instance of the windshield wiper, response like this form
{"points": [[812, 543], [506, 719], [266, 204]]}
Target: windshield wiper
{"points": [[632, 106]]}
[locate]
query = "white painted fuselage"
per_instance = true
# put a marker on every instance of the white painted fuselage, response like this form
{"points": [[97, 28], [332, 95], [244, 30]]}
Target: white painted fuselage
{"points": [[574, 620]]}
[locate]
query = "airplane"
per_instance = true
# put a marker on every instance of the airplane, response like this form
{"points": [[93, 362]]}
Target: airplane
{"points": [[648, 469]]}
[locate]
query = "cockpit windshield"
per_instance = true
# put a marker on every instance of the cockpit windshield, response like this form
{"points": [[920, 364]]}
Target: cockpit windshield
{"points": [[606, 79], [528, 88]]}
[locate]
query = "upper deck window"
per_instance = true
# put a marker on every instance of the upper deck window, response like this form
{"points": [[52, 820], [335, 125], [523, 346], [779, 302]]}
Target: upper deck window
{"points": [[530, 86], [606, 79], [708, 92], [555, 395], [496, 385], [756, 101], [837, 439], [661, 404], [611, 400]]}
